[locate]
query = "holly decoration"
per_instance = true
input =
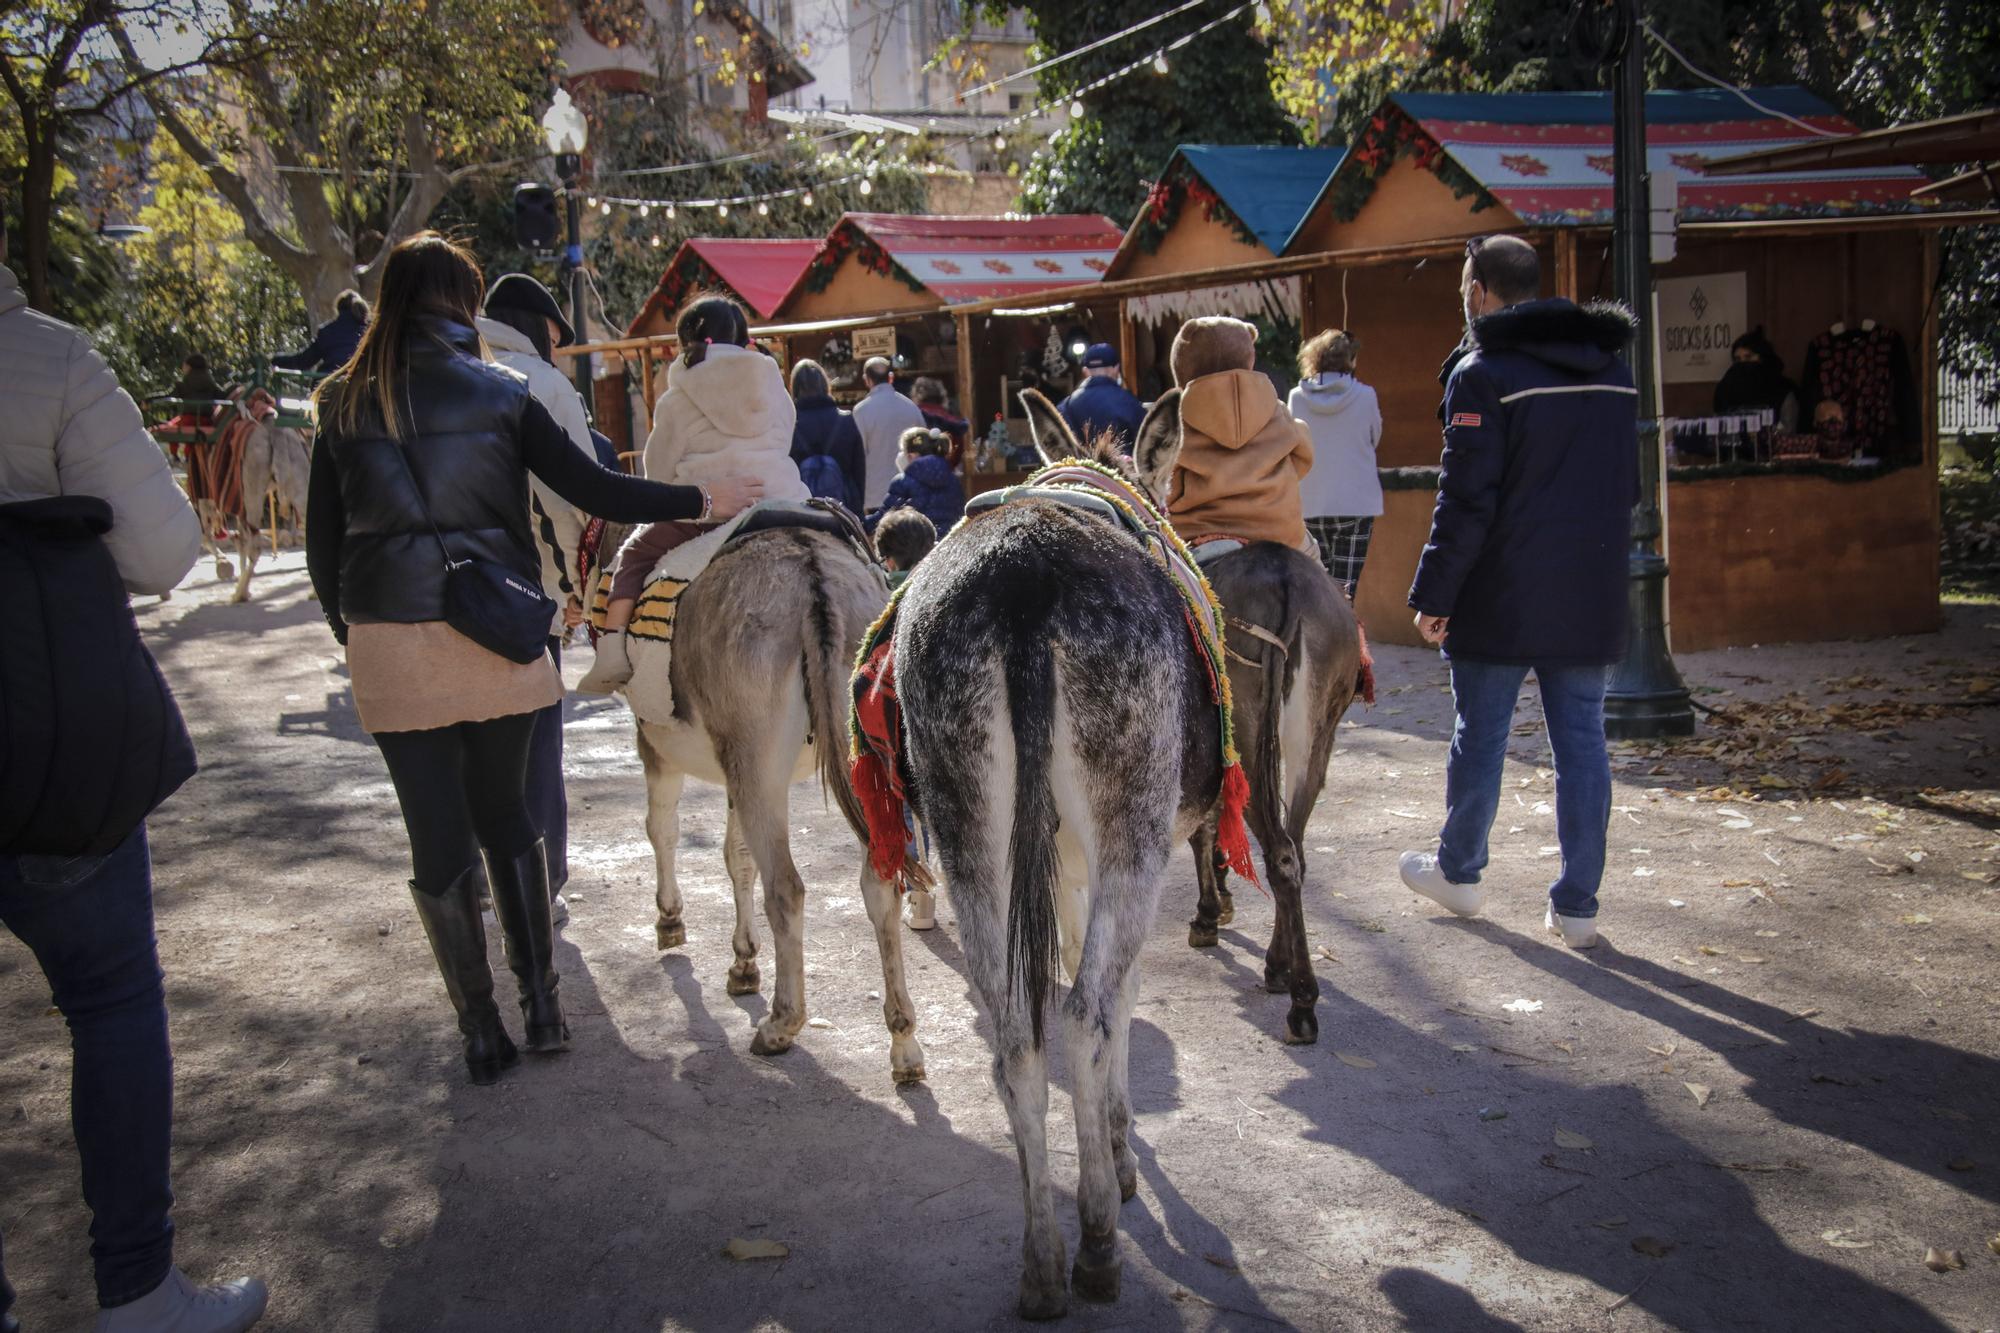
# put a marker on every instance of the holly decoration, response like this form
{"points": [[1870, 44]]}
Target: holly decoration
{"points": [[1179, 187], [1388, 138], [851, 240], [692, 274]]}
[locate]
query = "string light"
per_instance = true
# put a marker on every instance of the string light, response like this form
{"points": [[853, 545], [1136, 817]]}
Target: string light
{"points": [[591, 202], [656, 240], [1160, 63], [867, 187], [670, 212], [763, 209], [644, 209], [809, 199], [999, 143], [722, 210], [1076, 109], [605, 208]]}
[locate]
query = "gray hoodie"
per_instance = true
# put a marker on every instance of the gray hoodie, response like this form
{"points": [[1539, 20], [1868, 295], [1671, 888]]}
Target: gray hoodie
{"points": [[1346, 425]]}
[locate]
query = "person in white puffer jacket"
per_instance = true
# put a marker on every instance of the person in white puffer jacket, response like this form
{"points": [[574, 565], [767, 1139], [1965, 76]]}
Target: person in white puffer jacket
{"points": [[725, 413], [1342, 494], [68, 429]]}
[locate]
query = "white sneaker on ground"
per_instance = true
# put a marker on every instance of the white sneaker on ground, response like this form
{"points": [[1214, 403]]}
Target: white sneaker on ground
{"points": [[559, 910], [179, 1306], [1578, 932], [923, 909], [1420, 871]]}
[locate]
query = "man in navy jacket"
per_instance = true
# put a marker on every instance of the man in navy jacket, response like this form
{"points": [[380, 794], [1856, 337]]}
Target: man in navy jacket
{"points": [[1525, 568], [1101, 403], [334, 342]]}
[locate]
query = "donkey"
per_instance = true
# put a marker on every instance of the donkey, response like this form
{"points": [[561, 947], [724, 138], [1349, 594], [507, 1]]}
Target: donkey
{"points": [[764, 640], [1062, 737], [1295, 666], [276, 465]]}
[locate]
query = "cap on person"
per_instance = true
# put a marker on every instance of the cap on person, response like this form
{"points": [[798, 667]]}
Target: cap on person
{"points": [[518, 291], [1099, 356]]}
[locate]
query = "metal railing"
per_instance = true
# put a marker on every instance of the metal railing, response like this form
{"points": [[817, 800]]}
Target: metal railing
{"points": [[1969, 404]]}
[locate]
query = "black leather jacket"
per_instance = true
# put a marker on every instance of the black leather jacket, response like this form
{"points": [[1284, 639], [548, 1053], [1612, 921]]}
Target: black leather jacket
{"points": [[370, 549]]}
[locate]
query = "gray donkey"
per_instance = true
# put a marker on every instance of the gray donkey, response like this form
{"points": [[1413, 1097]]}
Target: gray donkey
{"points": [[1062, 739], [276, 464], [764, 640], [1295, 664]]}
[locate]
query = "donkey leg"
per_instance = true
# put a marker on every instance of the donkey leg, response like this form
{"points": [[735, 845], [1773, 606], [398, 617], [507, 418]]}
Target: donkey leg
{"points": [[1286, 867], [663, 830], [1123, 1159], [885, 913], [1208, 908], [743, 977], [246, 555], [760, 802]]}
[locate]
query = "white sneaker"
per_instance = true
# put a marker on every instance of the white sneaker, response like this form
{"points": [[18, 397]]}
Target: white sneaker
{"points": [[559, 910], [923, 909], [179, 1306], [1420, 871], [1578, 932], [613, 667]]}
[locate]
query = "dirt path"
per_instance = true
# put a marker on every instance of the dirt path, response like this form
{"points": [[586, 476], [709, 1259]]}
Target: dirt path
{"points": [[1820, 967]]}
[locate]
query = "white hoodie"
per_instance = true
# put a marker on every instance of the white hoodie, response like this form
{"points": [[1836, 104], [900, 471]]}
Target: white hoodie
{"points": [[729, 416], [558, 527], [1346, 426]]}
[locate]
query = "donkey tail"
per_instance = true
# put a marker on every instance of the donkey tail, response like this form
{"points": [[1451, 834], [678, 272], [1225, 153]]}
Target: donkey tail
{"points": [[1277, 657], [1032, 937]]}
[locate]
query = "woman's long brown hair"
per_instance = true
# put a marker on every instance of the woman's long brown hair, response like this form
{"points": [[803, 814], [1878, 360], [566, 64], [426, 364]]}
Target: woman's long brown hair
{"points": [[427, 275]]}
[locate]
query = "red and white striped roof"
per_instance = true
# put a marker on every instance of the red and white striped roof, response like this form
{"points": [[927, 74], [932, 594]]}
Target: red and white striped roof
{"points": [[972, 258]]}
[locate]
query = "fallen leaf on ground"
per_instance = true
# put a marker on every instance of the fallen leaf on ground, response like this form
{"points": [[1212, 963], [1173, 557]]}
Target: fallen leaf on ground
{"points": [[1708, 951], [1961, 1164], [1643, 872], [1609, 1223], [1942, 1261], [1803, 1013], [742, 1250], [1354, 1061], [1564, 1047], [1665, 1050], [1751, 958], [1465, 1048], [1220, 1262], [1327, 954], [1569, 1138], [1701, 1092], [1844, 1080], [1767, 934], [1844, 1240], [1372, 927], [1652, 1246], [819, 1022], [1523, 1006], [1676, 902], [1491, 1113], [1916, 919]]}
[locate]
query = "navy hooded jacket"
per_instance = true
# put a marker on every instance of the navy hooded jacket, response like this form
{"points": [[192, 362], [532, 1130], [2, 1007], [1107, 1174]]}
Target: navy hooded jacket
{"points": [[824, 428], [1102, 404], [929, 486], [1527, 552], [331, 348]]}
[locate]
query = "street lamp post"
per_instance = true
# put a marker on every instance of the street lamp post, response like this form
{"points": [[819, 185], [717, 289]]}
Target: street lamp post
{"points": [[566, 133], [1646, 696]]}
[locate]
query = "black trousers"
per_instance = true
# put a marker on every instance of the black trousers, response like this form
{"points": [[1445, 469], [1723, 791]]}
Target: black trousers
{"points": [[462, 787], [547, 803]]}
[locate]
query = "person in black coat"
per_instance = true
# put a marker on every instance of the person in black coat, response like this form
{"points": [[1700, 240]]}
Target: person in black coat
{"points": [[1526, 564], [826, 444], [423, 457], [334, 342]]}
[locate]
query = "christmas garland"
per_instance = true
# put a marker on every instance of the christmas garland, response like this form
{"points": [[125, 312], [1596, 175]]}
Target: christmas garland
{"points": [[1389, 137], [851, 240], [693, 274], [1173, 191]]}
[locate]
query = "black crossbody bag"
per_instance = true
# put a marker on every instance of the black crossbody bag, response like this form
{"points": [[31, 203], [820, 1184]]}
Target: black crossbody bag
{"points": [[483, 599]]}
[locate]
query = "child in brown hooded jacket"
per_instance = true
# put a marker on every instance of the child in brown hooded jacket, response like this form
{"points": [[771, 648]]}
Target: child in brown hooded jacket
{"points": [[1242, 452]]}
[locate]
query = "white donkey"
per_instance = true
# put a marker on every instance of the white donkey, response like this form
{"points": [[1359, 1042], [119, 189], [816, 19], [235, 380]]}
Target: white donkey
{"points": [[764, 640], [275, 468], [1063, 739]]}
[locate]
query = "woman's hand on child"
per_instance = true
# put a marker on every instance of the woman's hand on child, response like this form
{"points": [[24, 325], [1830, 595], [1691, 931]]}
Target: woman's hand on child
{"points": [[732, 495]]}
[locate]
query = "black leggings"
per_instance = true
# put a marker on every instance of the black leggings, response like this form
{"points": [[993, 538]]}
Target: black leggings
{"points": [[462, 787]]}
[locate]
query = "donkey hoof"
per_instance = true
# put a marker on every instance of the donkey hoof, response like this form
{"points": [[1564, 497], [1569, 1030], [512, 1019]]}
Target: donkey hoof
{"points": [[239, 596], [906, 1060], [1040, 1305], [1228, 913], [1301, 1028], [1097, 1285], [1278, 983], [669, 935], [1201, 936], [908, 1074], [744, 981], [771, 1039]]}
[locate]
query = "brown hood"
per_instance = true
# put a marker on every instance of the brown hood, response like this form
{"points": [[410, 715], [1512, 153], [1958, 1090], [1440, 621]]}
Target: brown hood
{"points": [[1230, 408]]}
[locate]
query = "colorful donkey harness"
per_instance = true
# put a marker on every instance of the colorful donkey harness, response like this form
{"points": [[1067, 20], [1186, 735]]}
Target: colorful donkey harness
{"points": [[875, 724]]}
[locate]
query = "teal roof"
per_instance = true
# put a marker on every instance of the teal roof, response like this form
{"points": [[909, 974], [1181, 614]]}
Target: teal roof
{"points": [[1270, 188]]}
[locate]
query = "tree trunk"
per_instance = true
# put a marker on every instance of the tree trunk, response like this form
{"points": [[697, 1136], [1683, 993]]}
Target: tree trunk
{"points": [[38, 186]]}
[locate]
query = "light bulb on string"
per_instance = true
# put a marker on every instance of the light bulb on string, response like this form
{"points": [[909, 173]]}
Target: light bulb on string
{"points": [[670, 212], [1076, 109], [763, 209], [809, 199], [645, 209], [722, 210], [605, 208], [590, 202], [656, 240], [867, 186], [1160, 63], [999, 143]]}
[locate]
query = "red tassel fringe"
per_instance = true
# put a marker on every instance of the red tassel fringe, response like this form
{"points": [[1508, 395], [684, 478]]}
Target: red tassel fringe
{"points": [[1364, 684], [1233, 835], [888, 840]]}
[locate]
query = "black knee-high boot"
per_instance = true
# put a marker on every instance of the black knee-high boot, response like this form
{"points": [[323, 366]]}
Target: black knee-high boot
{"points": [[520, 886], [458, 941]]}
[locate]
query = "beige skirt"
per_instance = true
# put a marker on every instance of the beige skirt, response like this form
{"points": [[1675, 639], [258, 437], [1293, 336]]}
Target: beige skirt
{"points": [[426, 675]]}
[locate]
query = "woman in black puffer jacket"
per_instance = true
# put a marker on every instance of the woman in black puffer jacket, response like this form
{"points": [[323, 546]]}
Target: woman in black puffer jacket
{"points": [[419, 429]]}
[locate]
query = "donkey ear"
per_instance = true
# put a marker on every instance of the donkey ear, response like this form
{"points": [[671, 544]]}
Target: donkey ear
{"points": [[1158, 446], [1054, 440]]}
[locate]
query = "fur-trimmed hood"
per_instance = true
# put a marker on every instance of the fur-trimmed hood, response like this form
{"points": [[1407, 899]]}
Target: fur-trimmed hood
{"points": [[1558, 331]]}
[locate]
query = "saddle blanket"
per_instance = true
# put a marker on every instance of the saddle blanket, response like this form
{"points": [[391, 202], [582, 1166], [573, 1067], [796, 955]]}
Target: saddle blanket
{"points": [[650, 637]]}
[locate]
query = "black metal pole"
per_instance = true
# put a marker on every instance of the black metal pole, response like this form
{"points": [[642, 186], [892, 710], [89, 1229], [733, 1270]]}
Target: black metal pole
{"points": [[569, 167], [1646, 696]]}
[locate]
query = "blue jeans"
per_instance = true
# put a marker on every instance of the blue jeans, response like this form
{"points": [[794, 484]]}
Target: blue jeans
{"points": [[89, 922], [1484, 694]]}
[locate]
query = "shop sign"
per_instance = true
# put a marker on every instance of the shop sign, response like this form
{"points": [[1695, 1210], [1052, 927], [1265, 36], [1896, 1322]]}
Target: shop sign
{"points": [[875, 342], [1699, 319]]}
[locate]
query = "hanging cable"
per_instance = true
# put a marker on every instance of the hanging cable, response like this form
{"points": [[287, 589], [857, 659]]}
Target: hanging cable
{"points": [[1647, 27]]}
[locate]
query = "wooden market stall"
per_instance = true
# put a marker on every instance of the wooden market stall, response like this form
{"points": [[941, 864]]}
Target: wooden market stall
{"points": [[881, 284], [1764, 545], [1214, 207]]}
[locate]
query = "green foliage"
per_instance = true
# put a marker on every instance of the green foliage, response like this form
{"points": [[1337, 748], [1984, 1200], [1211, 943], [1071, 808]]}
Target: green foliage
{"points": [[1216, 90]]}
